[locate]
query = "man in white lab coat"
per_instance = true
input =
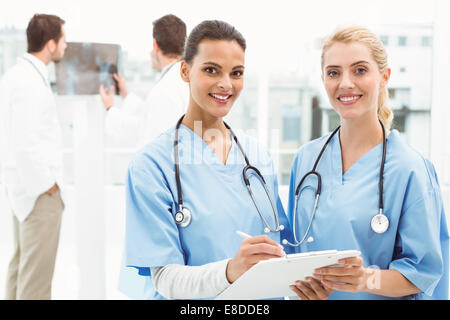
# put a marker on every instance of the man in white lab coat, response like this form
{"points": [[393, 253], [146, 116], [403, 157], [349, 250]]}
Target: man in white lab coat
{"points": [[139, 121], [166, 102], [31, 160]]}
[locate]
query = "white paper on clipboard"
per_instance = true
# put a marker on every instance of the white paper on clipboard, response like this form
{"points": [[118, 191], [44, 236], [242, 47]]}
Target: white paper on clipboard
{"points": [[271, 278]]}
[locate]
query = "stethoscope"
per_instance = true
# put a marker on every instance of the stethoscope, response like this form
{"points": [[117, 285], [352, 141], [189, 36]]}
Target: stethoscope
{"points": [[183, 216], [40, 74], [379, 222]]}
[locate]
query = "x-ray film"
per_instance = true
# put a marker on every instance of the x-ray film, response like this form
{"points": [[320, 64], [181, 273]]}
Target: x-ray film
{"points": [[86, 66]]}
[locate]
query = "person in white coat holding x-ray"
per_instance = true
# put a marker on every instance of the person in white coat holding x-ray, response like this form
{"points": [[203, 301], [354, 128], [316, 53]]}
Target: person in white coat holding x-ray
{"points": [[142, 121]]}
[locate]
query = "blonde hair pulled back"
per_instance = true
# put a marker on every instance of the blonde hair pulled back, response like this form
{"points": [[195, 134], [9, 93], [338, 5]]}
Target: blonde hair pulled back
{"points": [[379, 54]]}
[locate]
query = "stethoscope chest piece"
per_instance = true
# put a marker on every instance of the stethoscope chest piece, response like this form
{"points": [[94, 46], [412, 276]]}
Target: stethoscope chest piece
{"points": [[183, 217], [379, 223]]}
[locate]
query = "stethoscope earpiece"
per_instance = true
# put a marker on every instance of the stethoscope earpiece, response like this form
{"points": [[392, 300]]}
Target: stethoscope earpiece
{"points": [[285, 242]]}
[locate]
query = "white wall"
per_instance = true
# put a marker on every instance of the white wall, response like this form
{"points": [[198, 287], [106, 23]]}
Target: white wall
{"points": [[66, 282], [440, 115]]}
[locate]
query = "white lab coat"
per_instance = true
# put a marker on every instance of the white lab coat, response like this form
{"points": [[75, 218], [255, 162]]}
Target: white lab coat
{"points": [[30, 135], [142, 121]]}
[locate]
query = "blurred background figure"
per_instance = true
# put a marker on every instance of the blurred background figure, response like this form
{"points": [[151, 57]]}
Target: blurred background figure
{"points": [[283, 104], [140, 120], [32, 160]]}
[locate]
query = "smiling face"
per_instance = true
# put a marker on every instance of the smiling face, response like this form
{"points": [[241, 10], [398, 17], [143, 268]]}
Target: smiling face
{"points": [[352, 80], [215, 77]]}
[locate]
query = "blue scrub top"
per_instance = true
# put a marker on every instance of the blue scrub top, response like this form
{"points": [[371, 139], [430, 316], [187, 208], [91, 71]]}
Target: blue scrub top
{"points": [[215, 193], [416, 242]]}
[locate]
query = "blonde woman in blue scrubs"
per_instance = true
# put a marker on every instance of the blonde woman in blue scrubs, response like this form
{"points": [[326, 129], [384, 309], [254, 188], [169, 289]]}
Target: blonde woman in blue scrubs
{"points": [[406, 246]]}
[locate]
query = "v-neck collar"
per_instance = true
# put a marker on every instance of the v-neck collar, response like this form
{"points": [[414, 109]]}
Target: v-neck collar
{"points": [[199, 146], [337, 158], [38, 65], [166, 70]]}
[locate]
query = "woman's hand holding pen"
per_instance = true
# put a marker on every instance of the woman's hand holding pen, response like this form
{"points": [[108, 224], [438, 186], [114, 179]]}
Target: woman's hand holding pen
{"points": [[251, 251]]}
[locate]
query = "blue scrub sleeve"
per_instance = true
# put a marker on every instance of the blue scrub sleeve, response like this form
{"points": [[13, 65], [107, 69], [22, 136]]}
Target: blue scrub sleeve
{"points": [[419, 250], [151, 237]]}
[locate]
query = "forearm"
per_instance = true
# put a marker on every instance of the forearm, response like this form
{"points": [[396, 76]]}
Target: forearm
{"points": [[389, 283], [190, 282]]}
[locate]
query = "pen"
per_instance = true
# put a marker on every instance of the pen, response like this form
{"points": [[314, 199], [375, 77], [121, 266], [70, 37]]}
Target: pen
{"points": [[242, 234]]}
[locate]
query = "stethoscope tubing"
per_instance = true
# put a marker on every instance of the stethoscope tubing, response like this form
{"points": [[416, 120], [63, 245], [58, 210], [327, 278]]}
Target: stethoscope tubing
{"points": [[177, 166], [277, 222], [319, 188], [244, 175], [37, 70]]}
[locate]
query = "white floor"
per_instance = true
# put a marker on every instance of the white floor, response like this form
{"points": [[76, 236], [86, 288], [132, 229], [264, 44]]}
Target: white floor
{"points": [[67, 274]]}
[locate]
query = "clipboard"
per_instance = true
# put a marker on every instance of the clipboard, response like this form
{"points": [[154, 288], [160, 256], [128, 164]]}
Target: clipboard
{"points": [[271, 278]]}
